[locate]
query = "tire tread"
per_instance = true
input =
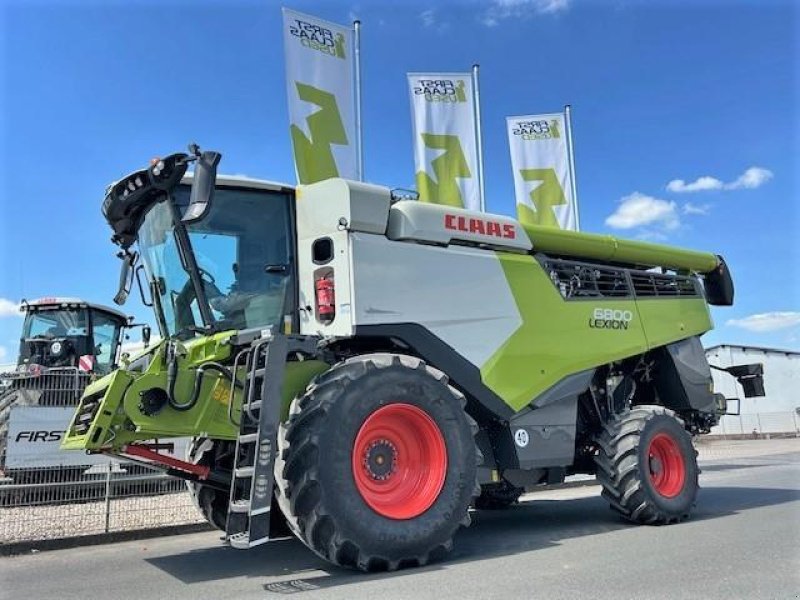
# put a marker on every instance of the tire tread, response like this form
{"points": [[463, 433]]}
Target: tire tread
{"points": [[297, 474], [618, 468]]}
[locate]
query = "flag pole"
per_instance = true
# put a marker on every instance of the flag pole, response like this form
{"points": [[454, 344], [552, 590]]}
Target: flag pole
{"points": [[359, 137], [568, 119], [478, 136]]}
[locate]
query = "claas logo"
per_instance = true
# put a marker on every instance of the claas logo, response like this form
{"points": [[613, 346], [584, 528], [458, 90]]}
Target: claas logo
{"points": [[40, 436], [480, 226]]}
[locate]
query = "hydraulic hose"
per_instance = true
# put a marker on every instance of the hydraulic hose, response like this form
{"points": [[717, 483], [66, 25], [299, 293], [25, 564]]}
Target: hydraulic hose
{"points": [[172, 376], [198, 383]]}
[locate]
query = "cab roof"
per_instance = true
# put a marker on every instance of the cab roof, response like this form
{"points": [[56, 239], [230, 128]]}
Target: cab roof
{"points": [[243, 181], [51, 302]]}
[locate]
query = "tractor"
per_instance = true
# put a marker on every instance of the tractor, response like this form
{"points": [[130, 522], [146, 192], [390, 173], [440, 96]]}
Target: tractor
{"points": [[65, 344], [363, 369]]}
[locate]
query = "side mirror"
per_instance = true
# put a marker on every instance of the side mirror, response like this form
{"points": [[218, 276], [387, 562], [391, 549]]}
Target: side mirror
{"points": [[146, 335], [125, 277], [205, 178]]}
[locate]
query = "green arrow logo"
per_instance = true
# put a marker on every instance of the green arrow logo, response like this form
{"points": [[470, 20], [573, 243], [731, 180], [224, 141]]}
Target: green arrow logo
{"points": [[448, 167], [313, 156], [547, 195]]}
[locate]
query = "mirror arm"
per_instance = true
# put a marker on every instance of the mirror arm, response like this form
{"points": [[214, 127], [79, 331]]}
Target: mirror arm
{"points": [[190, 266]]}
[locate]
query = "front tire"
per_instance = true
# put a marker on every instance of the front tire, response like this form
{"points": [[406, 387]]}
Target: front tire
{"points": [[377, 464], [647, 466], [211, 502]]}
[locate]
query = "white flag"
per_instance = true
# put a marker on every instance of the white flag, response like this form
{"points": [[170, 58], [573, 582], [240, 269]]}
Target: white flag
{"points": [[540, 160], [319, 80], [445, 149]]}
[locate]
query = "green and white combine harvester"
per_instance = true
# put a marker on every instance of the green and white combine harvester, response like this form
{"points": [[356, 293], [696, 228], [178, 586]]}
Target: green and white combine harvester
{"points": [[365, 367]]}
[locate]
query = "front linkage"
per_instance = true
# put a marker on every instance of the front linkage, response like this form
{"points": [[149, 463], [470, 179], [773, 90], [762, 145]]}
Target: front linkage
{"points": [[235, 387]]}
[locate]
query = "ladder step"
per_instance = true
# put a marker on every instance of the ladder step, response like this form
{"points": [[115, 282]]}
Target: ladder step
{"points": [[243, 472], [248, 438], [243, 506], [242, 541], [239, 506], [254, 405]]}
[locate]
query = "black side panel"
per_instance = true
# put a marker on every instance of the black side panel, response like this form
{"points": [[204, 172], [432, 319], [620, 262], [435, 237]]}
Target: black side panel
{"points": [[438, 354], [683, 377], [719, 285], [544, 434]]}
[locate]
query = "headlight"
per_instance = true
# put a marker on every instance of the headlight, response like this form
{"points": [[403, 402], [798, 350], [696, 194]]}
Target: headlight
{"points": [[56, 347]]}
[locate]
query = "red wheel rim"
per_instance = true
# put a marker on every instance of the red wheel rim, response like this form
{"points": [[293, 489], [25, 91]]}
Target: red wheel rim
{"points": [[399, 461], [666, 466]]}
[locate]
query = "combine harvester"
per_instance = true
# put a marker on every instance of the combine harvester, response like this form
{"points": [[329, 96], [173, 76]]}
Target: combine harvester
{"points": [[368, 367]]}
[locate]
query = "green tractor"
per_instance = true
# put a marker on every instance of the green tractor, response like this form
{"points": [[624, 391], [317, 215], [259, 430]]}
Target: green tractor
{"points": [[366, 368]]}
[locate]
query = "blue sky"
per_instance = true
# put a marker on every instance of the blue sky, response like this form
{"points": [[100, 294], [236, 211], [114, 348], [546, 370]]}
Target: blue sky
{"points": [[685, 118]]}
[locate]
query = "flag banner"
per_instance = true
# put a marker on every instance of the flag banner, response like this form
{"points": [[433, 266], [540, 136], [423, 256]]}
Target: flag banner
{"points": [[319, 81], [540, 161], [445, 148]]}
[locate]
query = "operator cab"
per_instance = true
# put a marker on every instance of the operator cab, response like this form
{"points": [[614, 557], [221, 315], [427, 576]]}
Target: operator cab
{"points": [[69, 332], [244, 249], [209, 266]]}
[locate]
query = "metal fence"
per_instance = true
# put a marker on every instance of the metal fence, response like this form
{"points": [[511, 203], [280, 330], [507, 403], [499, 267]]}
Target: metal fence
{"points": [[759, 424], [113, 497], [46, 494]]}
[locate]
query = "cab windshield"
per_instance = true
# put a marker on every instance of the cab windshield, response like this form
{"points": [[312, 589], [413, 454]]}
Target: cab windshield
{"points": [[244, 252], [51, 324]]}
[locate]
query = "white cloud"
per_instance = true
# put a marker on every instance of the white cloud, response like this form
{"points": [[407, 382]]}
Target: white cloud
{"points": [[690, 208], [637, 210], [9, 308], [752, 178], [771, 321], [431, 20], [6, 365], [506, 9], [699, 184]]}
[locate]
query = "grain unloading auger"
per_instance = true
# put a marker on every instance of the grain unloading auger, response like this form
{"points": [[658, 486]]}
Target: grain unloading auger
{"points": [[369, 367]]}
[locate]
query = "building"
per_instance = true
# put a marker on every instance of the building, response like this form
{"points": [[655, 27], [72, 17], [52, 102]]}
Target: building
{"points": [[778, 411]]}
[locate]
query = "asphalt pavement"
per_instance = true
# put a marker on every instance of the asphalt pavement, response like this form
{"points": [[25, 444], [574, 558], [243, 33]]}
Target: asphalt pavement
{"points": [[743, 542]]}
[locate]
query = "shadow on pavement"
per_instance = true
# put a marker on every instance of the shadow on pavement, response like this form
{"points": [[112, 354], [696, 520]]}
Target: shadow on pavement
{"points": [[531, 525], [707, 468]]}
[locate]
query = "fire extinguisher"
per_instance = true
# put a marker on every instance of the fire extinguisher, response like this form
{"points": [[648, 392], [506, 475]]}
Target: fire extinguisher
{"points": [[326, 299]]}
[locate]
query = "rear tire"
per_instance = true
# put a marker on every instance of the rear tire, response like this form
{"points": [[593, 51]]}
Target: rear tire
{"points": [[647, 466], [377, 464]]}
